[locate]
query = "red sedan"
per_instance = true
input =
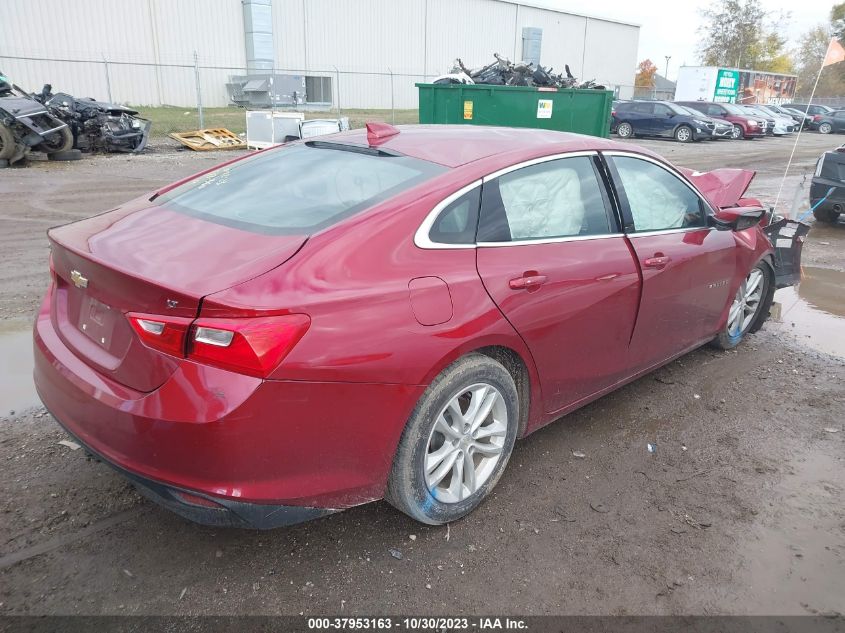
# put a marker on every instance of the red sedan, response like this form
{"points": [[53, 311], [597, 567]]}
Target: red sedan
{"points": [[382, 313]]}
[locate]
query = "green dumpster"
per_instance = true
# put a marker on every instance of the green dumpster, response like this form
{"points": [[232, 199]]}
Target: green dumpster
{"points": [[563, 109]]}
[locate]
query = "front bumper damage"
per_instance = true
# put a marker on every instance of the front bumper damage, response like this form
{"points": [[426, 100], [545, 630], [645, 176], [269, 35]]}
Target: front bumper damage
{"points": [[787, 238]]}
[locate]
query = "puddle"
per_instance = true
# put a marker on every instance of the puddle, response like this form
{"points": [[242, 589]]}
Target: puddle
{"points": [[815, 310], [17, 391]]}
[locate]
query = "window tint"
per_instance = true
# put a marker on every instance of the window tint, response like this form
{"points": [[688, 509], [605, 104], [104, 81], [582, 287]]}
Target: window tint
{"points": [[661, 110], [456, 224], [558, 198], [297, 189], [643, 108], [658, 199]]}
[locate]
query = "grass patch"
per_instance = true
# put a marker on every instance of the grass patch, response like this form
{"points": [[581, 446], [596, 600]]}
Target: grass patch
{"points": [[169, 119]]}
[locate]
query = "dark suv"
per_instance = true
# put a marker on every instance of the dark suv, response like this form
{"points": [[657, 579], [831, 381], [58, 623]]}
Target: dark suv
{"points": [[745, 125], [659, 118]]}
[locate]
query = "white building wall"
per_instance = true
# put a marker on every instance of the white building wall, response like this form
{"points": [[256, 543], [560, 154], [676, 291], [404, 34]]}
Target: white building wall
{"points": [[149, 45]]}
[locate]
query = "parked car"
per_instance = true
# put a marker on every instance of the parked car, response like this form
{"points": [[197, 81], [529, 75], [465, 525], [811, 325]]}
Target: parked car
{"points": [[386, 312], [814, 110], [721, 128], [827, 191], [832, 122], [744, 125], [784, 122], [778, 124], [658, 118], [801, 118]]}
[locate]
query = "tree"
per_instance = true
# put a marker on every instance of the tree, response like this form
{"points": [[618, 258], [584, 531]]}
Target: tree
{"points": [[645, 74], [811, 52], [741, 34], [837, 21]]}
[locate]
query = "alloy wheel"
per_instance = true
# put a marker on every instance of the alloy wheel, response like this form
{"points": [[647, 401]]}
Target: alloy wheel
{"points": [[466, 443], [683, 134], [825, 128], [625, 130], [746, 303], [736, 132]]}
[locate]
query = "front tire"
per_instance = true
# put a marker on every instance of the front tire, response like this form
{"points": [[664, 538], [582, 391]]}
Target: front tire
{"points": [[61, 141], [7, 143], [750, 307], [684, 134], [737, 132], [825, 128], [624, 130], [457, 442]]}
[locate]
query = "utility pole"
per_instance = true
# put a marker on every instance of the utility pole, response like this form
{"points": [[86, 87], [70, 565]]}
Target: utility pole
{"points": [[666, 74]]}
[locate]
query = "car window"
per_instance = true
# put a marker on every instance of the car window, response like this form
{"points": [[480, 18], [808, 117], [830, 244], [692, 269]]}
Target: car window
{"points": [[715, 110], [559, 198], [643, 108], [661, 110], [456, 224], [297, 189], [657, 198]]}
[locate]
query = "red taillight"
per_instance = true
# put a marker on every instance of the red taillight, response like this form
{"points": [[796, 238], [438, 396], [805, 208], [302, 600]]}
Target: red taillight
{"points": [[252, 346], [817, 117], [165, 334]]}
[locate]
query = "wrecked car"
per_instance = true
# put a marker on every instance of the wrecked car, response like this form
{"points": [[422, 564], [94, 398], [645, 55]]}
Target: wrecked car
{"points": [[25, 124], [98, 126], [513, 281]]}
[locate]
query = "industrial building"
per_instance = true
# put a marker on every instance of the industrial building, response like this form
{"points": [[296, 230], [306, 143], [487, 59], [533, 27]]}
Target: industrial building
{"points": [[320, 53]]}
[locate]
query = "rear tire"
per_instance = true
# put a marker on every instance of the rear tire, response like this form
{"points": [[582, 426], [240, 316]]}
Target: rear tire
{"points": [[7, 143], [684, 134], [825, 128], [826, 214], [624, 130], [750, 307], [439, 441]]}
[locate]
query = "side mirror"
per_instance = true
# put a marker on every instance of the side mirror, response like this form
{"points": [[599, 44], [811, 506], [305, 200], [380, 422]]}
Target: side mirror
{"points": [[736, 219]]}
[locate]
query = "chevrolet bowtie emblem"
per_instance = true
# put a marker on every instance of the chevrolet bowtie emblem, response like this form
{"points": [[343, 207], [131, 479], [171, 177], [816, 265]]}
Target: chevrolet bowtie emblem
{"points": [[78, 280]]}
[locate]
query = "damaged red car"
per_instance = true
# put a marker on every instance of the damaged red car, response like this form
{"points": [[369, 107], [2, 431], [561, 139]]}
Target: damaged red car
{"points": [[383, 313]]}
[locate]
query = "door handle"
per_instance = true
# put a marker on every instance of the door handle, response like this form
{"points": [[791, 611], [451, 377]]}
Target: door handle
{"points": [[527, 282], [658, 261]]}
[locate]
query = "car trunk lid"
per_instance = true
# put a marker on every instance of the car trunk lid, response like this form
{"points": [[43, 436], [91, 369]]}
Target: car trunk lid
{"points": [[153, 261]]}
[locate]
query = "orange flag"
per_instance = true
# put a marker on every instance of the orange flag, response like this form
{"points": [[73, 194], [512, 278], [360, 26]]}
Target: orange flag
{"points": [[835, 53]]}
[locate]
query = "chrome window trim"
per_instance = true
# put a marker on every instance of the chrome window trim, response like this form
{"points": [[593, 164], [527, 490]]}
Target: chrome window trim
{"points": [[550, 240], [422, 238], [688, 229], [537, 161], [672, 170]]}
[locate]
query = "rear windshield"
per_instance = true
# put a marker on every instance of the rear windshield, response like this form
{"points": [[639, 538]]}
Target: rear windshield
{"points": [[297, 189]]}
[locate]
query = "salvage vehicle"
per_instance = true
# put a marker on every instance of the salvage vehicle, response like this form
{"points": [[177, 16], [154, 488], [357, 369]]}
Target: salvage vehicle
{"points": [[659, 118], [27, 125], [744, 125], [833, 122], [386, 312], [97, 125], [827, 191]]}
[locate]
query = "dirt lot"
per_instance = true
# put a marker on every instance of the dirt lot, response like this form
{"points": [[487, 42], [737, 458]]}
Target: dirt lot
{"points": [[738, 511]]}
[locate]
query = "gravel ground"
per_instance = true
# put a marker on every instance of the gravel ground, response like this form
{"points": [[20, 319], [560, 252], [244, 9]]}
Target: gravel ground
{"points": [[738, 511]]}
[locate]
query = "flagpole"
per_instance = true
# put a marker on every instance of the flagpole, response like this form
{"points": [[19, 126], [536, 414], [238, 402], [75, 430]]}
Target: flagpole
{"points": [[800, 129]]}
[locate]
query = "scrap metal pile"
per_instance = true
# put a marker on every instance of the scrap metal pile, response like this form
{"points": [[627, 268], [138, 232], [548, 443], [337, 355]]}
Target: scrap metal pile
{"points": [[503, 72]]}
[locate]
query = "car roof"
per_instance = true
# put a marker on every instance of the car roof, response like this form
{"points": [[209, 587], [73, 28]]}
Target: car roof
{"points": [[456, 145]]}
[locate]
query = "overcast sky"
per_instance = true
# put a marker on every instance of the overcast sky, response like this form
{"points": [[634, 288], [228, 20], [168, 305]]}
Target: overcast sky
{"points": [[670, 28]]}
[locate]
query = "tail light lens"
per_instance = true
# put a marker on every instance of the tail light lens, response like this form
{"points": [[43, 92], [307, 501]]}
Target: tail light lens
{"points": [[817, 117], [253, 346], [165, 334]]}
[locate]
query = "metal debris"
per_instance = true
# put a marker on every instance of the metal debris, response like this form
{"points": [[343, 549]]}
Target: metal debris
{"points": [[209, 139]]}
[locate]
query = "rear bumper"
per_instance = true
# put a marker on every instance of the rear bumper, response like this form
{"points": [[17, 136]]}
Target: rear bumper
{"points": [[236, 440]]}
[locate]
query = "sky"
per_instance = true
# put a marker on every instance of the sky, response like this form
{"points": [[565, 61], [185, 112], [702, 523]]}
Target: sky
{"points": [[670, 29]]}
